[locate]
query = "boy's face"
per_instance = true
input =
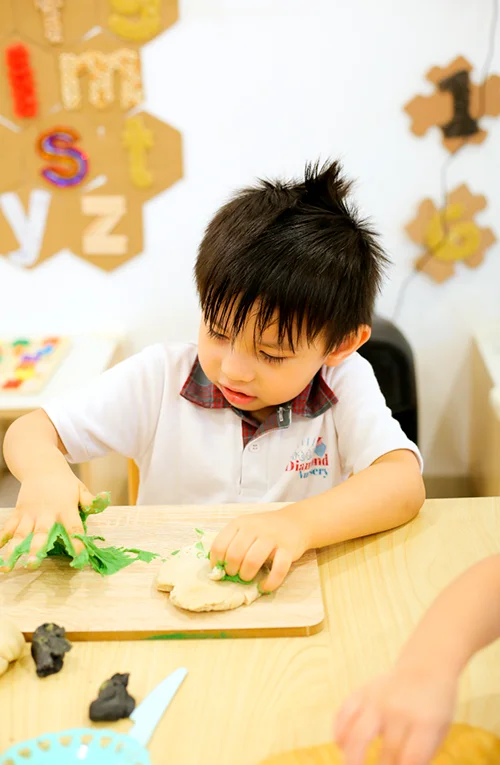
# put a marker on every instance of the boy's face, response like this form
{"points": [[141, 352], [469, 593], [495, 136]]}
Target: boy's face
{"points": [[256, 378]]}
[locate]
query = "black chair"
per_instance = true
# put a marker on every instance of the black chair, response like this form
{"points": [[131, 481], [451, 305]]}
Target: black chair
{"points": [[392, 360]]}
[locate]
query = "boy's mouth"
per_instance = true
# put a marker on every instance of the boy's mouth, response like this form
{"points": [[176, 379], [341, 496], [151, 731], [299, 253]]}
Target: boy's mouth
{"points": [[235, 396]]}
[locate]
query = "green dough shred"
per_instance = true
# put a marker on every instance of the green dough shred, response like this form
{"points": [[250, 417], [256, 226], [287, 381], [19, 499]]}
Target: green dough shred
{"points": [[104, 560], [21, 549]]}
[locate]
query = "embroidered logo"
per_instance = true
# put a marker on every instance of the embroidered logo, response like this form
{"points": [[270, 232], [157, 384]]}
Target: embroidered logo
{"points": [[310, 459]]}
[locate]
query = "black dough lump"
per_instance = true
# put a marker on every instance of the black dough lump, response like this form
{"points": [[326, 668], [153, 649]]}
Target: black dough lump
{"points": [[113, 702], [48, 647]]}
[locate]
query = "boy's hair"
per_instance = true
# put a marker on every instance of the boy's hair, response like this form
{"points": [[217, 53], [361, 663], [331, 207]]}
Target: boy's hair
{"points": [[291, 252]]}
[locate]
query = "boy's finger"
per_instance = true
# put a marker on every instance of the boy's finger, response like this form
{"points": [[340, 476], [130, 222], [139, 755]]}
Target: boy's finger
{"points": [[221, 543], [345, 717], [86, 497], [279, 569], [237, 550], [256, 556], [37, 543], [365, 727], [419, 748], [9, 530], [394, 738], [74, 526], [24, 529]]}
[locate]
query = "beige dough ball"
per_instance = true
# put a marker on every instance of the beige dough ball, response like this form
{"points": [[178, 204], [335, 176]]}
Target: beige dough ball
{"points": [[11, 643]]}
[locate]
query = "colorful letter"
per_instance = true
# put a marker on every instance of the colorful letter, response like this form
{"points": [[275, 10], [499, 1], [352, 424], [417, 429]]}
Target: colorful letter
{"points": [[73, 164], [97, 237]]}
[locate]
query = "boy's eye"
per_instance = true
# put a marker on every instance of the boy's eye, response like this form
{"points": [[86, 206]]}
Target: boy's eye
{"points": [[273, 359], [215, 335]]}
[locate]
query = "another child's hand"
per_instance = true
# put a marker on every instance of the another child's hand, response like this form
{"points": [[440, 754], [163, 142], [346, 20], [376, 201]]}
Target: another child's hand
{"points": [[44, 500], [249, 541], [410, 709]]}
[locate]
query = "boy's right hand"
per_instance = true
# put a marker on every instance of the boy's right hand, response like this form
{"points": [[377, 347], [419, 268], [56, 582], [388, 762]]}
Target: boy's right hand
{"points": [[410, 709], [44, 500]]}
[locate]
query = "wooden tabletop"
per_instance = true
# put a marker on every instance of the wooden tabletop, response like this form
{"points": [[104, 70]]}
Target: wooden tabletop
{"points": [[246, 699]]}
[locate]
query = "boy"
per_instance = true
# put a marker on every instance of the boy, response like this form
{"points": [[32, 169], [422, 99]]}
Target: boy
{"points": [[412, 706], [274, 405]]}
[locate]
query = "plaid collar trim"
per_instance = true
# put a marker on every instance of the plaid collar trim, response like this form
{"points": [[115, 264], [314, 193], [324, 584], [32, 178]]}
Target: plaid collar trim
{"points": [[314, 400]]}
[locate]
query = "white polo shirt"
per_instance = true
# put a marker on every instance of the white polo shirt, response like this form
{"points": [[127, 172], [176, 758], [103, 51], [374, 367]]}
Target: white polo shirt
{"points": [[192, 447]]}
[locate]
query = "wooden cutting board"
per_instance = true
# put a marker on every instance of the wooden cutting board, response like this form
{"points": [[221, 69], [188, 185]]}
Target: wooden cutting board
{"points": [[127, 605]]}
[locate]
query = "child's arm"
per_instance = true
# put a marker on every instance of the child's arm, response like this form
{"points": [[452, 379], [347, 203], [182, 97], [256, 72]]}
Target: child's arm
{"points": [[384, 495], [412, 706], [50, 491]]}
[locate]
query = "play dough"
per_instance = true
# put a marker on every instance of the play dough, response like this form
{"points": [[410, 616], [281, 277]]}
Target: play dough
{"points": [[104, 560], [113, 702], [195, 586], [464, 745], [48, 648], [11, 643]]}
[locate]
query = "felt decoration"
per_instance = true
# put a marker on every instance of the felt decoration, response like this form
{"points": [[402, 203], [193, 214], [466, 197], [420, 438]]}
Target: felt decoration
{"points": [[457, 105], [26, 215], [101, 68], [73, 163], [75, 178], [50, 11], [110, 228], [29, 85], [145, 26], [148, 159], [138, 21], [450, 235], [54, 23], [98, 238], [22, 81], [137, 140], [66, 154]]}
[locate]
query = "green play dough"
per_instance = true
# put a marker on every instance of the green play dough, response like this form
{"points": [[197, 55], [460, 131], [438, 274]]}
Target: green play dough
{"points": [[104, 560]]}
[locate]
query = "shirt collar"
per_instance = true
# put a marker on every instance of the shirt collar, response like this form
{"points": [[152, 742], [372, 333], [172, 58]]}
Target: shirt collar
{"points": [[314, 400]]}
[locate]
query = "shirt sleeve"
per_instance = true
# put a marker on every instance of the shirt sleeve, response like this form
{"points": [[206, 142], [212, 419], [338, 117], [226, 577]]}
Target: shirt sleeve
{"points": [[366, 429], [116, 412]]}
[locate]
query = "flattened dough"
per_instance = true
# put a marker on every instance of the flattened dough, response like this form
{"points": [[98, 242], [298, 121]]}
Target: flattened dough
{"points": [[193, 584], [464, 745]]}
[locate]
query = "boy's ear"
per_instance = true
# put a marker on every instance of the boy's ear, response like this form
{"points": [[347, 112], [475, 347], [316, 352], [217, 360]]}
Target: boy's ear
{"points": [[349, 346]]}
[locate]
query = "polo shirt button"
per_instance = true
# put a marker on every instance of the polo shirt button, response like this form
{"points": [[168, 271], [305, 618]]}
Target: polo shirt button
{"points": [[255, 446]]}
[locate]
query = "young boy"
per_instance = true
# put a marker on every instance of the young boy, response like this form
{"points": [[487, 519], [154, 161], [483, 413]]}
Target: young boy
{"points": [[412, 706], [274, 405]]}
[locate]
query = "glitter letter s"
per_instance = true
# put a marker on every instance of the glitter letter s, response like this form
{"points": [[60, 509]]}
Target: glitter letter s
{"points": [[72, 163]]}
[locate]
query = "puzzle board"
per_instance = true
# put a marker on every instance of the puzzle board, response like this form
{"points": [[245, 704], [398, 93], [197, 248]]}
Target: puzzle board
{"points": [[27, 364]]}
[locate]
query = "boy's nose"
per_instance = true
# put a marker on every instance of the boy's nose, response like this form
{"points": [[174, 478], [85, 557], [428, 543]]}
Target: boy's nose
{"points": [[236, 369]]}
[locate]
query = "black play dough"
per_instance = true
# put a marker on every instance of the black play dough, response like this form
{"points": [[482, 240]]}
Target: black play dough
{"points": [[114, 701], [48, 647]]}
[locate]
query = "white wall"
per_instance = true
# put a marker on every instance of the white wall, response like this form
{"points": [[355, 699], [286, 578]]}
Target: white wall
{"points": [[257, 87]]}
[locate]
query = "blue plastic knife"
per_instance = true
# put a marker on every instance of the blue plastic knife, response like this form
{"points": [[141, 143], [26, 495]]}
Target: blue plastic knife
{"points": [[150, 711]]}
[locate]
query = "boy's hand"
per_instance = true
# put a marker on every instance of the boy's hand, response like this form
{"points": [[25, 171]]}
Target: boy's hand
{"points": [[410, 708], [44, 500], [249, 541]]}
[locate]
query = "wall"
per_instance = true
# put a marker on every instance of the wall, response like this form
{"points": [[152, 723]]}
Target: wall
{"points": [[257, 87]]}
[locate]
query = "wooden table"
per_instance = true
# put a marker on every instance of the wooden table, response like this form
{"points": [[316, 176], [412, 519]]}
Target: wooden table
{"points": [[246, 699]]}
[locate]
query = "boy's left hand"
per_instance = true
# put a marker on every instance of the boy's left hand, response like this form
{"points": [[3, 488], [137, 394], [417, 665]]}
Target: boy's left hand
{"points": [[249, 541]]}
